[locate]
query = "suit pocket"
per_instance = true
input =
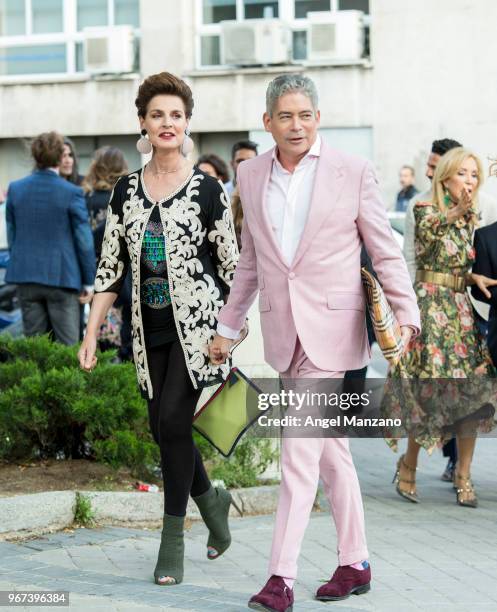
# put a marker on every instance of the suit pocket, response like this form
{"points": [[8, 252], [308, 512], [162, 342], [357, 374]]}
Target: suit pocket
{"points": [[260, 280], [264, 305], [340, 300]]}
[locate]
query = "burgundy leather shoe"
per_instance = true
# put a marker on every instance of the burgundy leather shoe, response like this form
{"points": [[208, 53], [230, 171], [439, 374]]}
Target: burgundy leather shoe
{"points": [[345, 581], [274, 597]]}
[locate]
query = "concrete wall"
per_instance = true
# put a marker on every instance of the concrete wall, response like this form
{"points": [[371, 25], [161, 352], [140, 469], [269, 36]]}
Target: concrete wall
{"points": [[434, 77], [237, 101], [85, 108]]}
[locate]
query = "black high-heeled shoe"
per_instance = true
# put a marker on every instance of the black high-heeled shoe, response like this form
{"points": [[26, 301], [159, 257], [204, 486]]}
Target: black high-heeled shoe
{"points": [[410, 495]]}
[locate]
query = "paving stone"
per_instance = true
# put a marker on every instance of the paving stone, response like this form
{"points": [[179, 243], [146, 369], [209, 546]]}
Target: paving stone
{"points": [[431, 556]]}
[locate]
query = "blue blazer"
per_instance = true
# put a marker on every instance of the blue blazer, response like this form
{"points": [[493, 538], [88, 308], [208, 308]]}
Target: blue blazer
{"points": [[48, 232]]}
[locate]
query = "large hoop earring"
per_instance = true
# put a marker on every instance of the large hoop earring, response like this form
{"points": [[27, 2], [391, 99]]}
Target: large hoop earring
{"points": [[187, 145], [143, 144]]}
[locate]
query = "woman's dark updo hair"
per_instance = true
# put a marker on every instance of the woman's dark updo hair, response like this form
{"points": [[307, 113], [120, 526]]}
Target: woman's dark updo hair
{"points": [[167, 84]]}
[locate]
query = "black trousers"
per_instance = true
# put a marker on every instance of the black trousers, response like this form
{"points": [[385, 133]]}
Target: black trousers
{"points": [[171, 414], [450, 450]]}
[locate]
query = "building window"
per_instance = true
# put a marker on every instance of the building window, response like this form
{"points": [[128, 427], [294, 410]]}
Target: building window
{"points": [[302, 7], [210, 54], [299, 44], [44, 37], [295, 13], [80, 59], [108, 12], [33, 59], [215, 11], [260, 9], [47, 15], [12, 18], [355, 5], [92, 13], [127, 12]]}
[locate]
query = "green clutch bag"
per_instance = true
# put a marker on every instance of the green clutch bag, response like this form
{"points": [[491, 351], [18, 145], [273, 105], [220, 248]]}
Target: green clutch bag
{"points": [[229, 413]]}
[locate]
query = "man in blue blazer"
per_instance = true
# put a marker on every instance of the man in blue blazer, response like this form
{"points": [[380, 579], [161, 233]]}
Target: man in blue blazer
{"points": [[52, 258], [486, 264]]}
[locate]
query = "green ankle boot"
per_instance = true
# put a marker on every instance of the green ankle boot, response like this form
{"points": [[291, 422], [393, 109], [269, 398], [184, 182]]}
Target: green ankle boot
{"points": [[214, 506], [171, 551]]}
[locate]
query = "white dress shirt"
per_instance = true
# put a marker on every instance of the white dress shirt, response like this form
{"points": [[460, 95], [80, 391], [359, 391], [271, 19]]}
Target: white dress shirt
{"points": [[288, 200]]}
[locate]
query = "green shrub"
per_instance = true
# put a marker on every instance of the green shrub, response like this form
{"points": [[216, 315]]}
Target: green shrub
{"points": [[48, 404], [83, 512], [250, 459]]}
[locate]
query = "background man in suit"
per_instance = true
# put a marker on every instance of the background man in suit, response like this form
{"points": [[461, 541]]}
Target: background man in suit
{"points": [[52, 259], [240, 151], [306, 208], [408, 188], [486, 265]]}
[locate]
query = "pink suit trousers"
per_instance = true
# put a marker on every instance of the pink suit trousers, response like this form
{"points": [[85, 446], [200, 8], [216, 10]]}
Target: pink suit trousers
{"points": [[303, 462]]}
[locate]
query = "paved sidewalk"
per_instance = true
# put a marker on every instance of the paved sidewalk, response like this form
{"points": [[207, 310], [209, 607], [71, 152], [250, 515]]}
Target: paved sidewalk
{"points": [[432, 556]]}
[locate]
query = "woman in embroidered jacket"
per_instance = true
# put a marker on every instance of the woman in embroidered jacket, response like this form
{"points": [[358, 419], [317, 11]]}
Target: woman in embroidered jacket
{"points": [[172, 224]]}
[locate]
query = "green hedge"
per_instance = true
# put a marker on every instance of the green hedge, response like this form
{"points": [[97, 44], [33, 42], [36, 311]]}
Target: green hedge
{"points": [[48, 404]]}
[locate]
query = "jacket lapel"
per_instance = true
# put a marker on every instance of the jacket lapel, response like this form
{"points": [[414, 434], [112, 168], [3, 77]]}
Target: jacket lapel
{"points": [[263, 169], [328, 185]]}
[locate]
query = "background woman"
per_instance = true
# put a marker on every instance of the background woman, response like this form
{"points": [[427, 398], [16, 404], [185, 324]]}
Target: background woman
{"points": [[171, 224], [107, 167], [68, 168], [214, 166], [450, 345]]}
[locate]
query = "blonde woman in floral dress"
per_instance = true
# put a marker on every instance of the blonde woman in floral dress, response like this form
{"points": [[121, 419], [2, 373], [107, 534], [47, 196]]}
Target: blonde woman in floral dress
{"points": [[449, 345]]}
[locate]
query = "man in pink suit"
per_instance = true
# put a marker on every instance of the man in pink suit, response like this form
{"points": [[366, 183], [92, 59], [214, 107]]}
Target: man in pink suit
{"points": [[307, 210]]}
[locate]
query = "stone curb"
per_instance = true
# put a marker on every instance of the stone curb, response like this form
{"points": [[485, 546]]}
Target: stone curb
{"points": [[26, 515]]}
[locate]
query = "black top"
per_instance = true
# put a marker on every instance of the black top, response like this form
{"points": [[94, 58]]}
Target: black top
{"points": [[157, 312], [97, 202], [486, 264]]}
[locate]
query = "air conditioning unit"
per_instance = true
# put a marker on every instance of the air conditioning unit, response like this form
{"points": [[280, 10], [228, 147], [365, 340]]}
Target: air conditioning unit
{"points": [[335, 36], [255, 42], [108, 50]]}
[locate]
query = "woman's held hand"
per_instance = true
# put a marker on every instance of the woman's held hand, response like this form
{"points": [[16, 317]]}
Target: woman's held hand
{"points": [[482, 282], [86, 353]]}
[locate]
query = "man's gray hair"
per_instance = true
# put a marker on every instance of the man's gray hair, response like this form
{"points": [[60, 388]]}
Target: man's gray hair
{"points": [[289, 83]]}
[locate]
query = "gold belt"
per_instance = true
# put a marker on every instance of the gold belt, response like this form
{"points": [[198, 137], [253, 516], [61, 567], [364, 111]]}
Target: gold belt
{"points": [[452, 281]]}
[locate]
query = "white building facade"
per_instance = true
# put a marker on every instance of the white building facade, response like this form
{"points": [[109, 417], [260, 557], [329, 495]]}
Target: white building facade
{"points": [[392, 75]]}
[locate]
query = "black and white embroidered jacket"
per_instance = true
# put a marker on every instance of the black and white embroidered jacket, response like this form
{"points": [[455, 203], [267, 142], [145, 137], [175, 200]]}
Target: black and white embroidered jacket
{"points": [[201, 254]]}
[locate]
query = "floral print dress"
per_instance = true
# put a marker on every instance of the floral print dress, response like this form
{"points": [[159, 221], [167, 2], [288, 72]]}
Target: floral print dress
{"points": [[449, 345]]}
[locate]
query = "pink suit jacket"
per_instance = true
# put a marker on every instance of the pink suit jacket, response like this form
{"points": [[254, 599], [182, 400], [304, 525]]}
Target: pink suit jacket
{"points": [[319, 297]]}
